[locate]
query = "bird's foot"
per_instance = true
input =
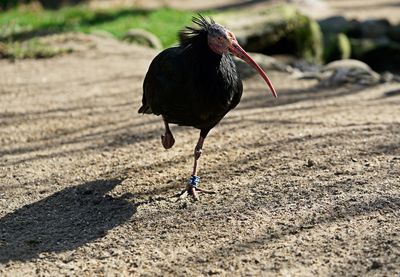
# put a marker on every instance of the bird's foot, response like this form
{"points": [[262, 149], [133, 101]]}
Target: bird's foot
{"points": [[167, 140], [192, 189], [194, 192]]}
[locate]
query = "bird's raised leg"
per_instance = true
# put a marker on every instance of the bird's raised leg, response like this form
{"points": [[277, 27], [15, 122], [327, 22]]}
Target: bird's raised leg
{"points": [[167, 139], [193, 184]]}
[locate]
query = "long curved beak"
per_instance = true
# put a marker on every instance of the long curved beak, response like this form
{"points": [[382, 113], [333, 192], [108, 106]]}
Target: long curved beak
{"points": [[238, 51]]}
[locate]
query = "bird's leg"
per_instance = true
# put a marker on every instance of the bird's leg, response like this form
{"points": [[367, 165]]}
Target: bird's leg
{"points": [[167, 139], [198, 150], [193, 185]]}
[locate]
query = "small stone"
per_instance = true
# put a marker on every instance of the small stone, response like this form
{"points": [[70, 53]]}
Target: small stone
{"points": [[311, 163], [214, 271], [375, 265], [348, 71]]}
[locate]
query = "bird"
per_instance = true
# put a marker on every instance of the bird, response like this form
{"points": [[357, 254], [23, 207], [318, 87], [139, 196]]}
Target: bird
{"points": [[196, 83]]}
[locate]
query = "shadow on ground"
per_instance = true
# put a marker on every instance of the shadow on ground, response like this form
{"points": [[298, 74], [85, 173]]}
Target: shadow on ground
{"points": [[292, 96], [124, 132], [63, 221]]}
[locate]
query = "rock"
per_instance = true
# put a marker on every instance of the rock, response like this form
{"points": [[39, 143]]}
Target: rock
{"points": [[355, 29], [309, 40], [346, 64], [348, 71], [375, 265], [381, 54], [394, 33], [276, 30], [337, 47], [266, 63], [339, 24], [310, 163], [376, 28], [361, 46], [305, 66], [384, 58], [142, 37], [335, 24]]}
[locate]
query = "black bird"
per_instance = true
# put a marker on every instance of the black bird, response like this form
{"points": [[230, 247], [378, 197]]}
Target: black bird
{"points": [[196, 84]]}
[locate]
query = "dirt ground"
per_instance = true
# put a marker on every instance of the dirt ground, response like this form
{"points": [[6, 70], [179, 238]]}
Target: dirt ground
{"points": [[308, 184]]}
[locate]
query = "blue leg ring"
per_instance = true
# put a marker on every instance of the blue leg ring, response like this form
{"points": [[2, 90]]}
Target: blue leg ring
{"points": [[194, 181]]}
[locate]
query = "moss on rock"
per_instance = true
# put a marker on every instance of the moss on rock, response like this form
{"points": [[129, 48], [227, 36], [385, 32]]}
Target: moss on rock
{"points": [[337, 47], [281, 30], [307, 37]]}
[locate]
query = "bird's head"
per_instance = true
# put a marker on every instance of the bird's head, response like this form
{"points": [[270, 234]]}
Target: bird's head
{"points": [[221, 41]]}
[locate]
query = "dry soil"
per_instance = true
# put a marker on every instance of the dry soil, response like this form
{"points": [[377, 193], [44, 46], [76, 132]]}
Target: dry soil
{"points": [[307, 184]]}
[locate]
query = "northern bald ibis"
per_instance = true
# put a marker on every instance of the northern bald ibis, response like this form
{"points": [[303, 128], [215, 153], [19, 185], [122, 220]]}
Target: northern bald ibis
{"points": [[196, 84]]}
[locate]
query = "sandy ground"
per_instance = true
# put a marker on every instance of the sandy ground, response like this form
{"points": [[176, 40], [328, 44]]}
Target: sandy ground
{"points": [[308, 184]]}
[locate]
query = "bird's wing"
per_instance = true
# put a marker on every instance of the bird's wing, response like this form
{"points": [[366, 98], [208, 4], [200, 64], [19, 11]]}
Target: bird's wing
{"points": [[166, 85]]}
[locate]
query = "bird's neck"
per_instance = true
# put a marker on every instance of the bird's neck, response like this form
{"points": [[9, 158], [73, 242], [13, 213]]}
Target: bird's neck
{"points": [[208, 63]]}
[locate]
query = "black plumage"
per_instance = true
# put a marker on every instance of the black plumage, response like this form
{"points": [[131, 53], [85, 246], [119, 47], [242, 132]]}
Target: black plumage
{"points": [[196, 84], [191, 85]]}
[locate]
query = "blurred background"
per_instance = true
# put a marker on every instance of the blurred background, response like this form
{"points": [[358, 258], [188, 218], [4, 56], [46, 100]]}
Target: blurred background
{"points": [[306, 33]]}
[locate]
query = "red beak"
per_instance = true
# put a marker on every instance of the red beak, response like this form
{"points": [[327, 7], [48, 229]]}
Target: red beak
{"points": [[238, 51]]}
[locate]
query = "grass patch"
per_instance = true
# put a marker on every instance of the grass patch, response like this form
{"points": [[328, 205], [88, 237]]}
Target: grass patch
{"points": [[32, 48], [17, 24]]}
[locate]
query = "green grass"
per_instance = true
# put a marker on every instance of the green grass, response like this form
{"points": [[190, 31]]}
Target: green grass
{"points": [[164, 23], [32, 48]]}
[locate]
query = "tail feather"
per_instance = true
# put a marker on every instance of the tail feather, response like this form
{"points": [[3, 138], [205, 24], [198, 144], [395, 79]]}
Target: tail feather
{"points": [[145, 109]]}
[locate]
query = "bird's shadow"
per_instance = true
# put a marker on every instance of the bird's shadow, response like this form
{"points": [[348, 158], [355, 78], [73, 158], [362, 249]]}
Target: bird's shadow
{"points": [[63, 221]]}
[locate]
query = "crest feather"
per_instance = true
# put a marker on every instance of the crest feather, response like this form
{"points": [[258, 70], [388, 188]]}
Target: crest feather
{"points": [[190, 35]]}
